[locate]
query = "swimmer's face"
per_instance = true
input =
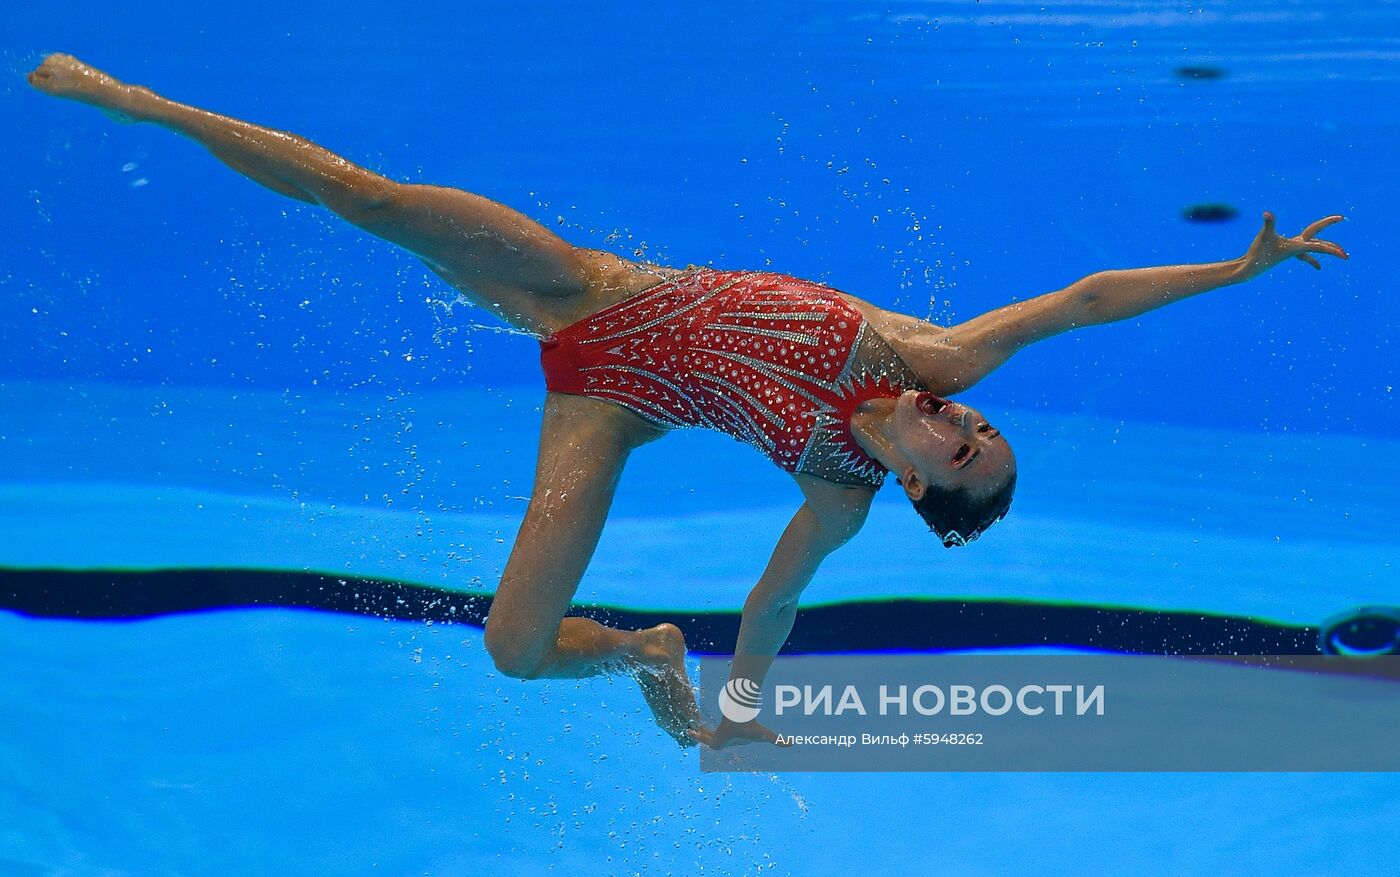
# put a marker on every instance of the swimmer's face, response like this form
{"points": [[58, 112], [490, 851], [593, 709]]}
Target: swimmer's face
{"points": [[949, 445]]}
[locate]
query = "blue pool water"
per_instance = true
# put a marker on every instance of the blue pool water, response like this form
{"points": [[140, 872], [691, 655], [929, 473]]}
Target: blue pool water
{"points": [[198, 375]]}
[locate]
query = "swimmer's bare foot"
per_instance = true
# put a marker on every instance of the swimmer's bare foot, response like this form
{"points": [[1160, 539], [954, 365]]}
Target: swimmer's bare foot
{"points": [[659, 666], [67, 77]]}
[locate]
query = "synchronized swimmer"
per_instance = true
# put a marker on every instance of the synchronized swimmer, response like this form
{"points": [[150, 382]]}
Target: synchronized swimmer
{"points": [[833, 390]]}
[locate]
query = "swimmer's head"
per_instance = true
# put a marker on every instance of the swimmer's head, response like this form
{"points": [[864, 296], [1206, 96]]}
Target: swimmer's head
{"points": [[955, 467]]}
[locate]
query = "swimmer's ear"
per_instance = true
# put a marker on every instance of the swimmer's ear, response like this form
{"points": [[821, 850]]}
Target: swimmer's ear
{"points": [[913, 486]]}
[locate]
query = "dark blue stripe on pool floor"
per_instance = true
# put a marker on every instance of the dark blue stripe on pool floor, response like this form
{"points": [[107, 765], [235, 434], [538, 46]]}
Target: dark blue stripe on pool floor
{"points": [[925, 625]]}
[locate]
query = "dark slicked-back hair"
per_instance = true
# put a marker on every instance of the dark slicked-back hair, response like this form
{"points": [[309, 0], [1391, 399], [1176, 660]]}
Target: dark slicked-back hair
{"points": [[957, 516]]}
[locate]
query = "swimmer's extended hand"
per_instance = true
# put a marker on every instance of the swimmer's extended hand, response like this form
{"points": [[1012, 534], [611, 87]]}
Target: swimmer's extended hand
{"points": [[728, 733], [1270, 248]]}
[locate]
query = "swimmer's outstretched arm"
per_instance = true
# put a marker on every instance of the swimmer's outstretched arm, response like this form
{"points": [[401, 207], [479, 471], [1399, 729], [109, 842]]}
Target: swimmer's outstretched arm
{"points": [[829, 517], [953, 359]]}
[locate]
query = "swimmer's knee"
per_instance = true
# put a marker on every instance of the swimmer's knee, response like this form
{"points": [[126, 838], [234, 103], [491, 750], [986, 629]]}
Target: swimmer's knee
{"points": [[512, 655], [516, 664], [365, 200]]}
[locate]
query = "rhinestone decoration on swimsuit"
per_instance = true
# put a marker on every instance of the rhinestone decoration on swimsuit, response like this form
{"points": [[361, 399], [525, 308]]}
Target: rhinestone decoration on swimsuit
{"points": [[776, 362]]}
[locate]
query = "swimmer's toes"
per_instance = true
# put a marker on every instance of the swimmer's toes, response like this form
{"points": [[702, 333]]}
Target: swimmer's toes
{"points": [[39, 78], [46, 75], [65, 76]]}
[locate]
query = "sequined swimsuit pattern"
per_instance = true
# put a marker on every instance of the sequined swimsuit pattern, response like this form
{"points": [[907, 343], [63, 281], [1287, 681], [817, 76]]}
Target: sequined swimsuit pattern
{"points": [[776, 362]]}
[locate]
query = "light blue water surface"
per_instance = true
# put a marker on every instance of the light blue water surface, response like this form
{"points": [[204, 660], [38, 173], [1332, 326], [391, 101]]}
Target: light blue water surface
{"points": [[195, 372]]}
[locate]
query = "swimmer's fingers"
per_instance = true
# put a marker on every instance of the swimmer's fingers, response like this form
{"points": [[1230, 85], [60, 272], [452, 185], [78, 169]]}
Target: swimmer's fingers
{"points": [[706, 737], [728, 733], [1304, 244], [1318, 226], [1327, 247], [1270, 248], [1301, 248]]}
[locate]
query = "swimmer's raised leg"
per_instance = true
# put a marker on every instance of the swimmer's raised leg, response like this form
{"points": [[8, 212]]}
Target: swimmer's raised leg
{"points": [[499, 257]]}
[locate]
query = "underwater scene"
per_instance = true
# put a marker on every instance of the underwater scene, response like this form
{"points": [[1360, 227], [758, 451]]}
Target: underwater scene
{"points": [[326, 331]]}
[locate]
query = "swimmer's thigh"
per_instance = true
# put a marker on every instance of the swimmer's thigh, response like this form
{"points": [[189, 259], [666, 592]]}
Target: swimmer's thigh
{"points": [[500, 258], [584, 444]]}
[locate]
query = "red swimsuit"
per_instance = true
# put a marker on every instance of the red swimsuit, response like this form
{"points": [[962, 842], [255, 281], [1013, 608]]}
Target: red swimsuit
{"points": [[776, 362]]}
